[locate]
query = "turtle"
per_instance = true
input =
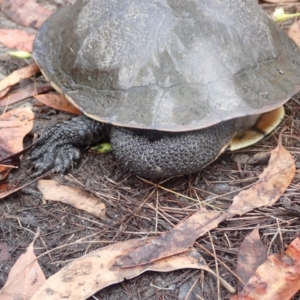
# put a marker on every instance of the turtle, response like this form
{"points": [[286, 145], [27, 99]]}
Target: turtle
{"points": [[172, 83]]}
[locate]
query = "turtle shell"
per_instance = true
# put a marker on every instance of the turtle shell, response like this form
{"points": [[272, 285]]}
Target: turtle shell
{"points": [[168, 65]]}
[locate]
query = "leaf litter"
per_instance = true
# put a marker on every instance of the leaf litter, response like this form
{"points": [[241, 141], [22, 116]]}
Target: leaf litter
{"points": [[277, 279], [14, 125], [131, 258], [27, 13], [18, 75], [58, 102], [272, 183], [294, 32], [17, 39], [25, 277], [73, 196], [23, 93], [98, 269]]}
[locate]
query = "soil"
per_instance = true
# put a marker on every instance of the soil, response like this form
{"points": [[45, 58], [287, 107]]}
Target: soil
{"points": [[139, 209]]}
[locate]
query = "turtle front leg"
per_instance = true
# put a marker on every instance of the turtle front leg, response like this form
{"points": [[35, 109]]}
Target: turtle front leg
{"points": [[59, 146]]}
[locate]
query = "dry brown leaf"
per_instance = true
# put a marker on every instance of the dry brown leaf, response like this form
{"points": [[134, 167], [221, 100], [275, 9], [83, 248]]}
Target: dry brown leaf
{"points": [[27, 13], [25, 277], [18, 75], [14, 125], [17, 39], [85, 276], [24, 93], [76, 197], [252, 253], [271, 185], [58, 102], [294, 32], [277, 279]]}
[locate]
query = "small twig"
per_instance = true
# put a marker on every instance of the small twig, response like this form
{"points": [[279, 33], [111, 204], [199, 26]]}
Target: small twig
{"points": [[191, 289], [161, 288], [170, 191], [280, 236], [45, 245], [217, 267], [225, 284], [156, 211]]}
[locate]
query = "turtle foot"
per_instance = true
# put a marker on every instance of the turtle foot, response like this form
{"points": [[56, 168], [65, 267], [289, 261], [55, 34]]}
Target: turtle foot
{"points": [[60, 145]]}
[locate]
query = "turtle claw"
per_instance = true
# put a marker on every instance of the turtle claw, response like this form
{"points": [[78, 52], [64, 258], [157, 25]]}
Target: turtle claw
{"points": [[65, 158], [57, 159]]}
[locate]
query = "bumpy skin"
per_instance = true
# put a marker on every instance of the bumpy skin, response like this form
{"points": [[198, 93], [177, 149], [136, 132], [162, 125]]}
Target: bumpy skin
{"points": [[166, 154], [147, 153]]}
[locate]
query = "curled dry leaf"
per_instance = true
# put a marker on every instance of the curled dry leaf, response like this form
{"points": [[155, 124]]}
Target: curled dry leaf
{"points": [[18, 75], [25, 277], [271, 185], [85, 276], [252, 253], [76, 197], [27, 13], [277, 279], [17, 39], [58, 102]]}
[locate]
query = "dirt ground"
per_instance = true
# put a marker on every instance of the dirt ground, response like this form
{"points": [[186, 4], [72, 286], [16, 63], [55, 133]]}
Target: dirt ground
{"points": [[138, 209]]}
